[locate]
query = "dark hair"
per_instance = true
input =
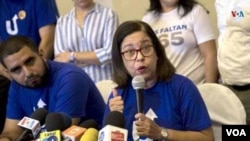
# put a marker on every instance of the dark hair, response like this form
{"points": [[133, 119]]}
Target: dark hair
{"points": [[155, 6], [120, 75], [14, 44]]}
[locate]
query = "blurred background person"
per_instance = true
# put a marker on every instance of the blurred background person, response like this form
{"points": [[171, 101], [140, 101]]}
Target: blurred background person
{"points": [[33, 18], [234, 47], [39, 83], [84, 37], [171, 110], [4, 87], [185, 31]]}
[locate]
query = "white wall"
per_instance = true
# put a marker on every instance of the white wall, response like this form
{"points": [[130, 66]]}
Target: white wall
{"points": [[133, 9]]}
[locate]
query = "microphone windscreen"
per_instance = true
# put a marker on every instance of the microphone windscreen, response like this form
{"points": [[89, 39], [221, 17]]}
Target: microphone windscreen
{"points": [[115, 118], [89, 124], [138, 82], [56, 121], [40, 115], [66, 120], [90, 135]]}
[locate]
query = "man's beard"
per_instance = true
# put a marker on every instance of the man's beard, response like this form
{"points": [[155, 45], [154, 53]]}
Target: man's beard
{"points": [[34, 83]]}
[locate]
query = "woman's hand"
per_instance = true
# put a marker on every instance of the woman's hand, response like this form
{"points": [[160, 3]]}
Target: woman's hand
{"points": [[116, 103], [147, 127], [63, 57]]}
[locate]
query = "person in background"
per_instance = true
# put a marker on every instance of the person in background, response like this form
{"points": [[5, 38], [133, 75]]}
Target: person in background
{"points": [[4, 85], [233, 19], [33, 18], [185, 31], [40, 83], [84, 37], [173, 107]]}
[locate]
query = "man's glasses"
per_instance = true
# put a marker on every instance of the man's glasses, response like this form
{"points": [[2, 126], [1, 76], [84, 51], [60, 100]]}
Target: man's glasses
{"points": [[131, 55]]}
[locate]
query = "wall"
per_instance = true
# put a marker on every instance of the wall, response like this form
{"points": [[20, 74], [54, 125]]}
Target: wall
{"points": [[133, 9]]}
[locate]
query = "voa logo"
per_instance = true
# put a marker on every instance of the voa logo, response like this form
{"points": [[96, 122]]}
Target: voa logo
{"points": [[236, 132], [238, 13]]}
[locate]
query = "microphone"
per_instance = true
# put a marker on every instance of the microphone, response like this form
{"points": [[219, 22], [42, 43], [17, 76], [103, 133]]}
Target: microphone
{"points": [[54, 124], [89, 124], [90, 135], [50, 136], [57, 121], [114, 128], [138, 84], [32, 125], [74, 133]]}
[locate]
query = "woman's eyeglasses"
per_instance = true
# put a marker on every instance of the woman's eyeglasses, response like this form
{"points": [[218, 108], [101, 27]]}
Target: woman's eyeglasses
{"points": [[131, 54]]}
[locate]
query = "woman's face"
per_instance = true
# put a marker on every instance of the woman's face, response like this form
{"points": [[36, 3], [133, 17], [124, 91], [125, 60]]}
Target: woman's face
{"points": [[143, 64], [169, 3], [83, 3]]}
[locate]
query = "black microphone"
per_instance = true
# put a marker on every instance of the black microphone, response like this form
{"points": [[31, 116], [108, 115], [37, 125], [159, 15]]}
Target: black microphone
{"points": [[138, 84], [54, 124], [114, 128], [115, 118], [57, 121], [90, 123], [32, 125]]}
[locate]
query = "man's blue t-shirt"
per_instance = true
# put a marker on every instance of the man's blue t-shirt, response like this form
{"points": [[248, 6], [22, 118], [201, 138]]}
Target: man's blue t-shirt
{"points": [[176, 104], [67, 89], [26, 17]]}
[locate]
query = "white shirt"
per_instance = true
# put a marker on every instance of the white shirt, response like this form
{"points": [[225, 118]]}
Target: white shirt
{"points": [[181, 36], [96, 34], [234, 41]]}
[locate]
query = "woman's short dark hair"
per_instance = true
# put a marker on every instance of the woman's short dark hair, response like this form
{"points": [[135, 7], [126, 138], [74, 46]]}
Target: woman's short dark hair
{"points": [[121, 76], [15, 43]]}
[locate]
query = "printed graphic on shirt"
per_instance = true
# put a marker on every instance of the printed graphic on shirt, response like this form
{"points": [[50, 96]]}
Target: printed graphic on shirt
{"points": [[22, 14], [40, 104], [238, 13], [11, 25], [171, 35]]}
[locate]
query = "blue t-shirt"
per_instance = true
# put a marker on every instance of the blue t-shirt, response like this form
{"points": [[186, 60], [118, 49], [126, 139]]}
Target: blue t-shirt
{"points": [[67, 89], [176, 104], [25, 17]]}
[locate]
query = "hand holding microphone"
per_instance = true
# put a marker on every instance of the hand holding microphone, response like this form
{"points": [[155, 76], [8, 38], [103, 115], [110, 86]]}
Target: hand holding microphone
{"points": [[116, 103], [146, 127]]}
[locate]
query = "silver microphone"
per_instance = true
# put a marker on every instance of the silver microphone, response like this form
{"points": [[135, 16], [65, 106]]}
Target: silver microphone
{"points": [[138, 84]]}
